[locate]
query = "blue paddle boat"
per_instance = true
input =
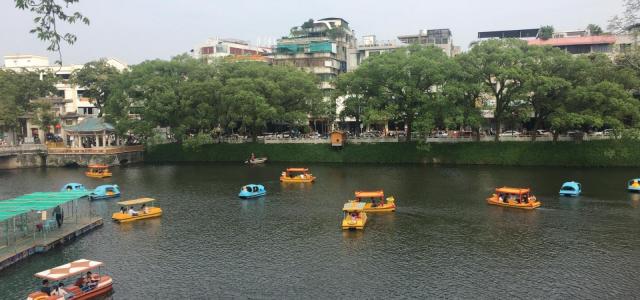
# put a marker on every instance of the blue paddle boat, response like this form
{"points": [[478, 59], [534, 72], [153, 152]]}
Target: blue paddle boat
{"points": [[634, 185], [73, 187], [105, 191], [571, 189], [252, 191]]}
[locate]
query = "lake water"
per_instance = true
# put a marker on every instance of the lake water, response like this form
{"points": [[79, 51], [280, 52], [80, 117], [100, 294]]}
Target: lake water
{"points": [[444, 240]]}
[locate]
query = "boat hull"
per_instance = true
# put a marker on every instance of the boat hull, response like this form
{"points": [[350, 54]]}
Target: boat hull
{"points": [[104, 288], [633, 189], [256, 161], [97, 175], [297, 179], [100, 197], [513, 204], [570, 194], [358, 224], [368, 208], [119, 217], [252, 195]]}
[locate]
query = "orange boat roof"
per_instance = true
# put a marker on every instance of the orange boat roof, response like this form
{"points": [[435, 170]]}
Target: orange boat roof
{"points": [[510, 190], [98, 166], [297, 169], [68, 270], [370, 194]]}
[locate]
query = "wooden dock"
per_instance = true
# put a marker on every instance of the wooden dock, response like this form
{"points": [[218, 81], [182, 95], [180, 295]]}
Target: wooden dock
{"points": [[27, 247]]}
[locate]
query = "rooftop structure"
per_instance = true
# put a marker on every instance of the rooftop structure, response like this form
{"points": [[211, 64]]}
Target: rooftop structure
{"points": [[514, 34], [230, 48], [441, 38]]}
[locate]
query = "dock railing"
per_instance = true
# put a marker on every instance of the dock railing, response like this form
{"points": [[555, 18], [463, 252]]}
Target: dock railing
{"points": [[97, 150]]}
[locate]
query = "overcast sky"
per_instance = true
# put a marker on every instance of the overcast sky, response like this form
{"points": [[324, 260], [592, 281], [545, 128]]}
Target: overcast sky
{"points": [[137, 30]]}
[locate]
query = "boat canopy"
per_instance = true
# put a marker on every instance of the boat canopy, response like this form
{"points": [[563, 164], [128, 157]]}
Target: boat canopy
{"points": [[136, 201], [68, 270], [37, 201], [354, 206], [370, 194], [297, 170], [509, 190], [98, 166]]}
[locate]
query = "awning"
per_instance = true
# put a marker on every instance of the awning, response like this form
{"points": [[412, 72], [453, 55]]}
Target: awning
{"points": [[136, 201], [509, 190], [353, 206], [371, 194], [297, 170], [68, 270], [37, 201]]}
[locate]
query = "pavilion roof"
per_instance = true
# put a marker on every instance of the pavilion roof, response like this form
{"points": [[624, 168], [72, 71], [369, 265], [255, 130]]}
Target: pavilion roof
{"points": [[91, 125]]}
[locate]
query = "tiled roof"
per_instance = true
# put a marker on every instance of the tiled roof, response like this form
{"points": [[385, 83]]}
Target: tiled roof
{"points": [[574, 41]]}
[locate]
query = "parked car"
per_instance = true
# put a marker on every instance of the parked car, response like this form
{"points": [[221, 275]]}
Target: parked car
{"points": [[510, 133], [608, 132], [541, 132], [441, 134]]}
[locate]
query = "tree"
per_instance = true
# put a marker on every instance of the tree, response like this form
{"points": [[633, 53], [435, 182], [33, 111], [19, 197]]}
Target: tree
{"points": [[594, 29], [500, 66], [629, 18], [546, 84], [49, 13], [398, 84], [255, 94], [546, 32], [96, 77], [604, 104]]}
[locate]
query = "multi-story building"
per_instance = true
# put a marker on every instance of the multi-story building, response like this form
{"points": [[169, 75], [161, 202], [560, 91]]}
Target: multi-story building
{"points": [[230, 48], [69, 104], [523, 34], [369, 46], [320, 47], [441, 38]]}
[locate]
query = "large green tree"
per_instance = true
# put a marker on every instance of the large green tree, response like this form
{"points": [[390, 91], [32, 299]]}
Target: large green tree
{"points": [[500, 66], [17, 89], [399, 84], [96, 78]]}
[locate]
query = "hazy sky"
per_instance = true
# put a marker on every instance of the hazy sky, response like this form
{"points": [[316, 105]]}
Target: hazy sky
{"points": [[136, 30]]}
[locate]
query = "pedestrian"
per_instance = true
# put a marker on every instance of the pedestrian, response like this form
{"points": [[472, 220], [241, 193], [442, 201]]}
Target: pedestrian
{"points": [[59, 215]]}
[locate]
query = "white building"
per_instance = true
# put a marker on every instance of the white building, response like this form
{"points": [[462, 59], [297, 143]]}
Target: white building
{"points": [[68, 101], [218, 48]]}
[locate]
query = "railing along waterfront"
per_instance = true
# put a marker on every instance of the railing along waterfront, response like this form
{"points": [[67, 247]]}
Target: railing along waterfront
{"points": [[105, 150], [5, 150]]}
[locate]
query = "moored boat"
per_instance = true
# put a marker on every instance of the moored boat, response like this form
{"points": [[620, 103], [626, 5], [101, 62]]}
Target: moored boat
{"points": [[297, 175], [88, 285], [514, 197], [105, 191], [73, 187], [130, 214], [256, 161], [377, 202], [634, 185], [571, 189], [252, 191], [98, 171], [353, 215]]}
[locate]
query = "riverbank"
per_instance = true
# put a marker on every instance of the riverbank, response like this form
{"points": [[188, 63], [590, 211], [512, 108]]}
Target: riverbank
{"points": [[586, 154]]}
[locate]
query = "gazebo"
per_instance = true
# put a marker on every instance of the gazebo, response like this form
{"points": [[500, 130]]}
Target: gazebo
{"points": [[92, 132]]}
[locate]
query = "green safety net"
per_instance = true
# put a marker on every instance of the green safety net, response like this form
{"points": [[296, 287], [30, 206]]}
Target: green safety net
{"points": [[287, 48], [37, 201], [320, 47]]}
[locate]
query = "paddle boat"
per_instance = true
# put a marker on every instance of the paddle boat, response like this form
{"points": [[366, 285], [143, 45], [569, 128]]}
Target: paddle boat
{"points": [[256, 161], [571, 189], [105, 191], [128, 214], [514, 197], [377, 201], [98, 171], [634, 185], [297, 175], [100, 285], [72, 187], [353, 215], [252, 191]]}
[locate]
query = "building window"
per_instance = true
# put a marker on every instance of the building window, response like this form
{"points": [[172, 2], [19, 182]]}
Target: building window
{"points": [[206, 50]]}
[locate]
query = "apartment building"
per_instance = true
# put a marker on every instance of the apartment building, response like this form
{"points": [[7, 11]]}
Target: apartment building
{"points": [[370, 46], [441, 38], [216, 48]]}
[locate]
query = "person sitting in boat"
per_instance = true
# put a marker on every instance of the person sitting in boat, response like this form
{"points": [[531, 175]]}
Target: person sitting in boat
{"points": [[253, 157], [500, 197], [284, 174], [91, 281], [354, 216], [45, 287], [80, 282], [144, 209], [63, 292], [123, 210], [525, 199], [373, 202], [132, 212]]}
